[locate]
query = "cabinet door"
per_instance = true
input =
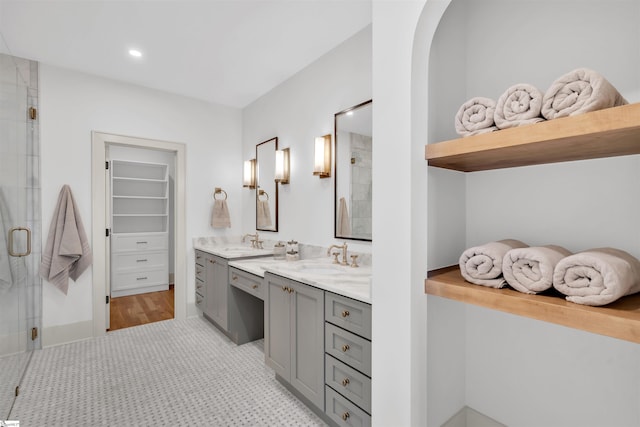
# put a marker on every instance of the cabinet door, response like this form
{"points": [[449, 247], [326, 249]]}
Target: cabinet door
{"points": [[277, 325], [217, 290], [307, 342]]}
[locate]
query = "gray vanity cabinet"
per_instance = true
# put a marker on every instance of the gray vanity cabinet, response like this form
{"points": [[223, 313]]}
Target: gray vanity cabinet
{"points": [[216, 291], [294, 335]]}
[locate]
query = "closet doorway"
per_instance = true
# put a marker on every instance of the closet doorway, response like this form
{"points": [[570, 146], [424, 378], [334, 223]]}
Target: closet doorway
{"points": [[138, 197]]}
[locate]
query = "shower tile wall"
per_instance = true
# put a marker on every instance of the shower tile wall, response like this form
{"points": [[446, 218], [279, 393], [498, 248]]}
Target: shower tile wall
{"points": [[20, 138], [361, 178]]}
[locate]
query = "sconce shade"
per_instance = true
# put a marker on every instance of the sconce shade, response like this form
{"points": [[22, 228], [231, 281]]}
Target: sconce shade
{"points": [[249, 174], [282, 166], [322, 159]]}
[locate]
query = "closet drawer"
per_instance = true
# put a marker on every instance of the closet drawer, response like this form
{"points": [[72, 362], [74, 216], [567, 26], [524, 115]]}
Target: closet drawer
{"points": [[349, 314], [139, 279], [343, 412], [350, 348], [248, 282], [137, 242], [139, 261], [348, 382]]}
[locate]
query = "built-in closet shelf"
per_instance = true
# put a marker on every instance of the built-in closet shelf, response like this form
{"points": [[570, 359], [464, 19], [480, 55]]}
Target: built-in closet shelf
{"points": [[604, 133], [620, 319]]}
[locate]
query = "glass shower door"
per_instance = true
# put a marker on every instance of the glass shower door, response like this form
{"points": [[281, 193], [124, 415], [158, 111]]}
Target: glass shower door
{"points": [[20, 286]]}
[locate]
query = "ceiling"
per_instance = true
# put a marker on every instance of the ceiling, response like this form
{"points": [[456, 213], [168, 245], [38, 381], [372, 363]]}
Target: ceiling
{"points": [[227, 52]]}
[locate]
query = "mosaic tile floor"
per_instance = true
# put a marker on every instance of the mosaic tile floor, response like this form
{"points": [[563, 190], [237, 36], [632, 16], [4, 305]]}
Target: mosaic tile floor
{"points": [[170, 373]]}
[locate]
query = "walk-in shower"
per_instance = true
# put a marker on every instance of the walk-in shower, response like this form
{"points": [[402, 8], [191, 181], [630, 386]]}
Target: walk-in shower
{"points": [[20, 224]]}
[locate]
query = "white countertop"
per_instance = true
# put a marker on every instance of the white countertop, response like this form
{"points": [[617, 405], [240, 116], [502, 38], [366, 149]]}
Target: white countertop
{"points": [[318, 272], [232, 251]]}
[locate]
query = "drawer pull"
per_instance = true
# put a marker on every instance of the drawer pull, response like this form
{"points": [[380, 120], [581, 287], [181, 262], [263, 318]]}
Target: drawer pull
{"points": [[345, 348], [254, 287], [141, 278], [198, 271], [345, 382], [198, 301], [198, 257], [290, 290], [141, 260], [234, 277], [345, 416], [284, 289], [198, 286], [212, 261], [345, 313], [141, 243]]}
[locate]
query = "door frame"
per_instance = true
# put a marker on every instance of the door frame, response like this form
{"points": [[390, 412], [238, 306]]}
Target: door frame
{"points": [[99, 142]]}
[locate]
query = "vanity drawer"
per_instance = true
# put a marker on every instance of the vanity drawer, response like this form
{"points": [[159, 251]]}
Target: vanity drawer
{"points": [[350, 383], [200, 286], [352, 315], [344, 412], [145, 242], [250, 283], [201, 272], [199, 301], [200, 258], [350, 348]]}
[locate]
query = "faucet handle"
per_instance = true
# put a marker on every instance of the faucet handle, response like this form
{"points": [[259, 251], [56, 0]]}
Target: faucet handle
{"points": [[354, 262], [335, 257]]}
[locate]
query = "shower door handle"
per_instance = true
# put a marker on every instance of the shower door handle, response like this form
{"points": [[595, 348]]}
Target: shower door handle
{"points": [[19, 254]]}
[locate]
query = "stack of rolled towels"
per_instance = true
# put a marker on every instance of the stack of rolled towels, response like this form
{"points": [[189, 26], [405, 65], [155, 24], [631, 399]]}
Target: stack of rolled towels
{"points": [[593, 277], [579, 91]]}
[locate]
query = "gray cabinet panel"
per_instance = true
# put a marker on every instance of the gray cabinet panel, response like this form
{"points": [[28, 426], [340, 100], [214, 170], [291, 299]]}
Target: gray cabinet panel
{"points": [[344, 412], [277, 329], [307, 371], [216, 291]]}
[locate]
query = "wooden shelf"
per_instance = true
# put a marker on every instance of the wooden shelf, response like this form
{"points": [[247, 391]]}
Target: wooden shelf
{"points": [[604, 133], [620, 319]]}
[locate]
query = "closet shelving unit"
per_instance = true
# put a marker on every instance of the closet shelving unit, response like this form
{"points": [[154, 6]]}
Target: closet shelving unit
{"points": [[605, 133], [139, 227]]}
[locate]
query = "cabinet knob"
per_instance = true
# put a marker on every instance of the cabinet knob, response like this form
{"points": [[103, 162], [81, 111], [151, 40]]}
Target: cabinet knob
{"points": [[234, 277], [345, 313], [345, 348], [212, 261], [290, 290], [345, 416], [345, 382], [284, 289], [198, 257], [254, 287]]}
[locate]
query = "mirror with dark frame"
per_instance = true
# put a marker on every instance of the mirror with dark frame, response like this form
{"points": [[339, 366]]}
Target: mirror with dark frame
{"points": [[266, 186], [353, 172]]}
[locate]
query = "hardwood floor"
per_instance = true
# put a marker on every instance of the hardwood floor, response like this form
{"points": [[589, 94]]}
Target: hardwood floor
{"points": [[139, 309]]}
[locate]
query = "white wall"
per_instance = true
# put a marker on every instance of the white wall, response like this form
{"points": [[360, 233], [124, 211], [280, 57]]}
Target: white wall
{"points": [[297, 111], [72, 105], [521, 371]]}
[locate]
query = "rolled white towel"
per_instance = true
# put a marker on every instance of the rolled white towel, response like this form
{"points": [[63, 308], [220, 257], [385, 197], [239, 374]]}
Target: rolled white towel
{"points": [[519, 105], [530, 270], [482, 265], [476, 116], [597, 276], [579, 91]]}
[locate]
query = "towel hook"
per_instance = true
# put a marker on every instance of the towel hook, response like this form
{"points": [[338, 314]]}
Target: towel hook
{"points": [[263, 193], [219, 190]]}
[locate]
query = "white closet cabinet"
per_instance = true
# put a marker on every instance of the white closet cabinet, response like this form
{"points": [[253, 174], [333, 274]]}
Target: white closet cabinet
{"points": [[139, 227]]}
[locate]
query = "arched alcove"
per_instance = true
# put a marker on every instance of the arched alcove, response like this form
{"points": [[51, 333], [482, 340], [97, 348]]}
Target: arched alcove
{"points": [[517, 370]]}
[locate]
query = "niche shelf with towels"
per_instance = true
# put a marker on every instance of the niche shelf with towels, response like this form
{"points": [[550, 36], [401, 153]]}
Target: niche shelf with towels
{"points": [[604, 133], [139, 227]]}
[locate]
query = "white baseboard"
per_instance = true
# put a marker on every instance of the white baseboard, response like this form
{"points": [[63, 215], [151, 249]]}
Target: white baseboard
{"points": [[64, 334], [468, 417]]}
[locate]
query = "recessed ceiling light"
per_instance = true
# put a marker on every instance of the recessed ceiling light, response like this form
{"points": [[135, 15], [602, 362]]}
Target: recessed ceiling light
{"points": [[135, 53]]}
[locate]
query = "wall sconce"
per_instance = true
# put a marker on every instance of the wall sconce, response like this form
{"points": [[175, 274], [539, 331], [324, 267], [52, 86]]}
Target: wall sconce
{"points": [[322, 159], [282, 166], [249, 174]]}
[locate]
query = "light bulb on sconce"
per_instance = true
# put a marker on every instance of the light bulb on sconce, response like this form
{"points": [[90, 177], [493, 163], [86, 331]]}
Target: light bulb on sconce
{"points": [[282, 166], [322, 157], [249, 174]]}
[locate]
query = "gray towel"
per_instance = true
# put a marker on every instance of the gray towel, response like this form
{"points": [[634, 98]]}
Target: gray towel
{"points": [[220, 214], [67, 253], [530, 270], [476, 116], [519, 105], [579, 91], [263, 212], [597, 276], [482, 265]]}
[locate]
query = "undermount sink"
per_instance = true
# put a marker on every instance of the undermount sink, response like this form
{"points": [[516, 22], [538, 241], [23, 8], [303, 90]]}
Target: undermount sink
{"points": [[320, 270]]}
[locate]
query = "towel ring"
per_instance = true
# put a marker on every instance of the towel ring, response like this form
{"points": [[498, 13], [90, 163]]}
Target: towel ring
{"points": [[219, 190], [263, 193]]}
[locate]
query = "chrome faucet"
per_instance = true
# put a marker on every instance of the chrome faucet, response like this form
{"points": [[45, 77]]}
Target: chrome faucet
{"points": [[254, 241], [344, 253]]}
